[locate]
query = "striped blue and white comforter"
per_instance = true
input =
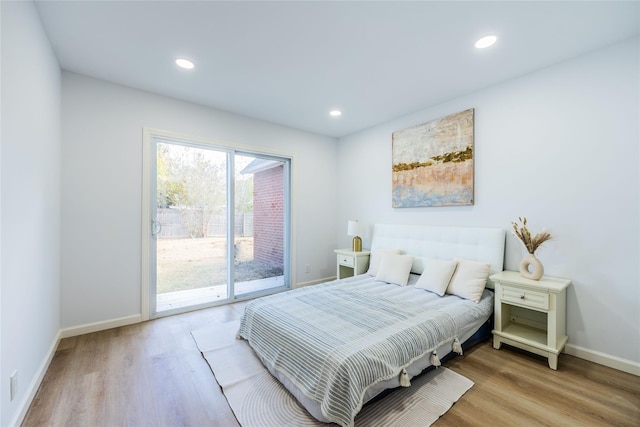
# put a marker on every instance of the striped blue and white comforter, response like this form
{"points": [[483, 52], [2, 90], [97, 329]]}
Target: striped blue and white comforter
{"points": [[335, 340]]}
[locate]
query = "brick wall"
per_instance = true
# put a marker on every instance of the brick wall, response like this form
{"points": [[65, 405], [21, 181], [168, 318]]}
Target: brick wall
{"points": [[268, 216]]}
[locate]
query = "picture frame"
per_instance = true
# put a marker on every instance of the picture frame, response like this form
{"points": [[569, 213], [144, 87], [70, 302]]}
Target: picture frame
{"points": [[433, 163]]}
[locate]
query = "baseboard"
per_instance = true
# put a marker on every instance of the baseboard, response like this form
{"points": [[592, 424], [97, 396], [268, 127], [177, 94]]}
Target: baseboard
{"points": [[100, 326], [614, 362], [313, 282], [32, 389]]}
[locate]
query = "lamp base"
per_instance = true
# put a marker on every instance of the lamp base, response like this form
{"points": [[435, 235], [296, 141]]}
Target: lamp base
{"points": [[357, 244]]}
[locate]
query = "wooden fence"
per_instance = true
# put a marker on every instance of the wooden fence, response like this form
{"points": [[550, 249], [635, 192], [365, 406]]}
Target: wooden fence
{"points": [[175, 224]]}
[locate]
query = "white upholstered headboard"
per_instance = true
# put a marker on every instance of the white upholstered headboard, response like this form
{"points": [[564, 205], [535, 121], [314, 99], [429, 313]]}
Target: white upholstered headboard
{"points": [[423, 241]]}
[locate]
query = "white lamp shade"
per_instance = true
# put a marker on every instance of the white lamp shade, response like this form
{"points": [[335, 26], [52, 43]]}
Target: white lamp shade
{"points": [[353, 228]]}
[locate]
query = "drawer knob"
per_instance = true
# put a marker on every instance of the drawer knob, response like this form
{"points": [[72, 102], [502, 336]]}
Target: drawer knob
{"points": [[522, 296]]}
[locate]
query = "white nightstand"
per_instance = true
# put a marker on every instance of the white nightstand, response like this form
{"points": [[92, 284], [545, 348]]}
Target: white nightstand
{"points": [[351, 263], [531, 314]]}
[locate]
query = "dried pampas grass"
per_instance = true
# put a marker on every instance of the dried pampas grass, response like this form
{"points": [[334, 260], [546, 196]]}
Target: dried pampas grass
{"points": [[522, 233]]}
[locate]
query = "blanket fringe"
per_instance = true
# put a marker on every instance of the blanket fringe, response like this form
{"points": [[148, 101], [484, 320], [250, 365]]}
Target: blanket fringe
{"points": [[404, 378], [434, 359], [457, 347]]}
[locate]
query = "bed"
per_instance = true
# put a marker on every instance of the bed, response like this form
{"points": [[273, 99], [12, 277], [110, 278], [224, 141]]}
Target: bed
{"points": [[337, 345]]}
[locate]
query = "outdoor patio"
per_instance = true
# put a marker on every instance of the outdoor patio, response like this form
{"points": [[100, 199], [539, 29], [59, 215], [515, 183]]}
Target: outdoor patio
{"points": [[178, 299]]}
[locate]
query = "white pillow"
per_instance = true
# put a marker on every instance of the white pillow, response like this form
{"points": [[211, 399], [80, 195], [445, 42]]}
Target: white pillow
{"points": [[395, 268], [436, 275], [418, 264], [469, 279], [376, 259]]}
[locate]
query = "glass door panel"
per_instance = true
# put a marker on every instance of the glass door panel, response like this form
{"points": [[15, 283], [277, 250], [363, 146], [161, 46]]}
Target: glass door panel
{"points": [[191, 233], [260, 207]]}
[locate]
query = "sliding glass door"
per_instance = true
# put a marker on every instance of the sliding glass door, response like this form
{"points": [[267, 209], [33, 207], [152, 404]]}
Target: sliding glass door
{"points": [[261, 224], [219, 225]]}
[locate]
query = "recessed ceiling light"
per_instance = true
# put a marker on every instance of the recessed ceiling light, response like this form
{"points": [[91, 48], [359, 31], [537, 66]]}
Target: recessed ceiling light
{"points": [[335, 113], [184, 63], [486, 42]]}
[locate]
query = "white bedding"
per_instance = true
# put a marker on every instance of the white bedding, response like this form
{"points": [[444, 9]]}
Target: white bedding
{"points": [[480, 244], [467, 316]]}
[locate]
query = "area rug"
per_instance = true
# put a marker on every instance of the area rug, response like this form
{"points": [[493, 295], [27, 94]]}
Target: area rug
{"points": [[259, 400]]}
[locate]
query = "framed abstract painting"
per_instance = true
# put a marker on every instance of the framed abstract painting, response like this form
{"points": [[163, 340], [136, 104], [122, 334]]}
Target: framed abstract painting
{"points": [[433, 163]]}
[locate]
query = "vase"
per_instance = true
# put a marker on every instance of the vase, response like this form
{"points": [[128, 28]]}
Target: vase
{"points": [[531, 267]]}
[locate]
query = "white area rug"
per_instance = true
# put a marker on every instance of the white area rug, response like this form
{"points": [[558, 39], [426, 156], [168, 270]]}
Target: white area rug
{"points": [[259, 400]]}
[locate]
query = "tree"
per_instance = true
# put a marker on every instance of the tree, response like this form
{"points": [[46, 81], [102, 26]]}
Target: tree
{"points": [[193, 180]]}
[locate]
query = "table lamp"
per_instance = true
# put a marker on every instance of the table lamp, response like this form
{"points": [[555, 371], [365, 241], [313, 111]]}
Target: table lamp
{"points": [[353, 229]]}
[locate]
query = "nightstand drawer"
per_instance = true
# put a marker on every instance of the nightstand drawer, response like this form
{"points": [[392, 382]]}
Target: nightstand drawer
{"points": [[525, 297], [345, 260]]}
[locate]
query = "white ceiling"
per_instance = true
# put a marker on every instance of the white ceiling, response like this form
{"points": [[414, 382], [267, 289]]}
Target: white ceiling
{"points": [[291, 62]]}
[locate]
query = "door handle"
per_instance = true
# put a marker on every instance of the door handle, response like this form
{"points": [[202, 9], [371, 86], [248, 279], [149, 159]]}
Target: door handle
{"points": [[156, 227]]}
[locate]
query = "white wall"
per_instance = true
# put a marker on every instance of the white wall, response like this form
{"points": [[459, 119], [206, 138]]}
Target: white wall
{"points": [[102, 126], [30, 201], [559, 146]]}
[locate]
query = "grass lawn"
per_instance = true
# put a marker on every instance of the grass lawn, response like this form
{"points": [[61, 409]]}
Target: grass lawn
{"points": [[199, 263]]}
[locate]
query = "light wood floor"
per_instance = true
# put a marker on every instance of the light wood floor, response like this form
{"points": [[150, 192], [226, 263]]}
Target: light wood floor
{"points": [[152, 374]]}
